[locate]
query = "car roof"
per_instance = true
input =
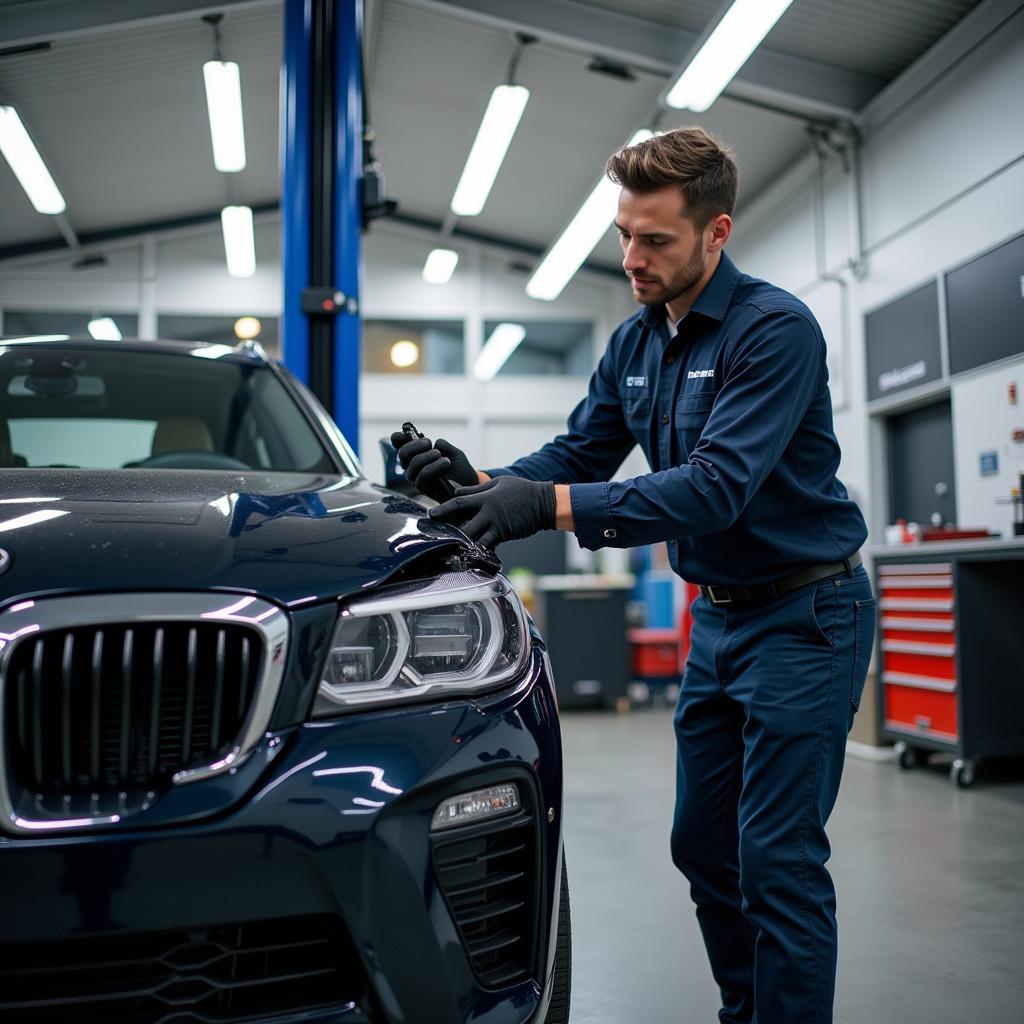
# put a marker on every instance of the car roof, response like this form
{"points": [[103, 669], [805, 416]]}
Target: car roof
{"points": [[246, 352]]}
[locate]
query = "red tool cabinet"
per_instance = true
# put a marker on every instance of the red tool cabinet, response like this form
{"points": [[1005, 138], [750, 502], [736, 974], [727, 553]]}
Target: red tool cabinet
{"points": [[950, 664]]}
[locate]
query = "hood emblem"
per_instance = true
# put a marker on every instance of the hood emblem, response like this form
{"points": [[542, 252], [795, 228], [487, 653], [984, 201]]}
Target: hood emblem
{"points": [[5, 560]]}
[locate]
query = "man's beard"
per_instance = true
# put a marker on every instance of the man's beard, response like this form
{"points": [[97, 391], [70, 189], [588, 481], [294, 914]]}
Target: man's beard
{"points": [[682, 281]]}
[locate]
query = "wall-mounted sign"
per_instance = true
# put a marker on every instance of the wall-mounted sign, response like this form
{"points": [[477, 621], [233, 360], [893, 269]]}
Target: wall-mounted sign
{"points": [[902, 341], [985, 307], [989, 463], [892, 379]]}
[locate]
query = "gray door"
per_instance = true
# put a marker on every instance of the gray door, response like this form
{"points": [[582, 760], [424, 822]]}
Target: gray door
{"points": [[921, 464]]}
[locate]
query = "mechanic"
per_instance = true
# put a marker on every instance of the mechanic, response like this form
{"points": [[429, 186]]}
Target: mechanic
{"points": [[721, 379]]}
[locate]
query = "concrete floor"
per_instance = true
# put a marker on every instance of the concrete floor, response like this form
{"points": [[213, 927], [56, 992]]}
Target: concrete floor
{"points": [[930, 883]]}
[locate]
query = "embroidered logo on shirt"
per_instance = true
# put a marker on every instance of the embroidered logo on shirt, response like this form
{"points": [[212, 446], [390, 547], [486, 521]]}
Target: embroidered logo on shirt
{"points": [[636, 382], [694, 374]]}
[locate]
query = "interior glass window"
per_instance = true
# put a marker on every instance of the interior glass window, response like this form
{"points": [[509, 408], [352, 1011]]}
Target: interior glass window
{"points": [[225, 330], [548, 347], [414, 346], [24, 322]]}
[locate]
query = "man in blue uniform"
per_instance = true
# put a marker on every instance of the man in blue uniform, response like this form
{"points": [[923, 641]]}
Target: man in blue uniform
{"points": [[721, 379]]}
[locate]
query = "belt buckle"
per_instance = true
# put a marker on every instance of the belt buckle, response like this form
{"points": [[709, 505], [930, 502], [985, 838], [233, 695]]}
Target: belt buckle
{"points": [[726, 599]]}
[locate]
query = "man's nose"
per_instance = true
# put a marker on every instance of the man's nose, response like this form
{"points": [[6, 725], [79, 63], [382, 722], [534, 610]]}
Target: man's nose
{"points": [[632, 258]]}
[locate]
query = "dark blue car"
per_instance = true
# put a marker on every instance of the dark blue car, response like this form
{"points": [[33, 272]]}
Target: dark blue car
{"points": [[273, 745]]}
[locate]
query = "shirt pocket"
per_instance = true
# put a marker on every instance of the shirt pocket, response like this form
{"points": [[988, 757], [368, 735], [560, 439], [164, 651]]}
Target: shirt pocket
{"points": [[636, 408], [692, 412]]}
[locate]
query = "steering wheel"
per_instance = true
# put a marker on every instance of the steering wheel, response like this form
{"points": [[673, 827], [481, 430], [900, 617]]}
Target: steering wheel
{"points": [[189, 458]]}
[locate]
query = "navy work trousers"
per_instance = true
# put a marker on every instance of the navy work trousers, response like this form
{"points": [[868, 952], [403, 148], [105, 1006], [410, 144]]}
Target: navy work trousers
{"points": [[767, 699]]}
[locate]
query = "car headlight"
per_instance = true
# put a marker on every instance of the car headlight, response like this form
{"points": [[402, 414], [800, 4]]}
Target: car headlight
{"points": [[458, 633]]}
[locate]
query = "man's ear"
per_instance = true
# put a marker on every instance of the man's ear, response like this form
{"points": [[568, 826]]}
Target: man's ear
{"points": [[717, 232]]}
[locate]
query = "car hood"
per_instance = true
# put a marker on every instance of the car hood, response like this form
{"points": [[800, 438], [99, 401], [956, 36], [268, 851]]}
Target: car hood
{"points": [[294, 538]]}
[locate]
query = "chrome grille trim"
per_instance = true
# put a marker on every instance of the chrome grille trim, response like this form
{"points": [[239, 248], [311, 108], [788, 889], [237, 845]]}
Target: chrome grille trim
{"points": [[27, 620]]}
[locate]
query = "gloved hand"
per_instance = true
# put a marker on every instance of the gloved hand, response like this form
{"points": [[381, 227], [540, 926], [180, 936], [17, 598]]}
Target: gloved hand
{"points": [[426, 464], [503, 508]]}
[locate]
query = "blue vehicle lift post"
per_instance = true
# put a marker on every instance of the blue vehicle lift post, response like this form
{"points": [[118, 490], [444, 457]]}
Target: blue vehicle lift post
{"points": [[321, 201]]}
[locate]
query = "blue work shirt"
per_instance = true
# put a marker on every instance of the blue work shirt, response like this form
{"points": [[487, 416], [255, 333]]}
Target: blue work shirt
{"points": [[733, 412]]}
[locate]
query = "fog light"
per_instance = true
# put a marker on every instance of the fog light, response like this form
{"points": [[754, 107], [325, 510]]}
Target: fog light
{"points": [[481, 804]]}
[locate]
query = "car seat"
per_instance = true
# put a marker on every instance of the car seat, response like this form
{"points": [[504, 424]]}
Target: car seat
{"points": [[181, 433]]}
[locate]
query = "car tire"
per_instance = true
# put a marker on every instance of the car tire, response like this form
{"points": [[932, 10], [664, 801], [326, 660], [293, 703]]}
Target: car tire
{"points": [[558, 1008]]}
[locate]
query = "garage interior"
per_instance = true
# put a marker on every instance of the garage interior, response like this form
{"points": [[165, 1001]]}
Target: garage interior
{"points": [[881, 154]]}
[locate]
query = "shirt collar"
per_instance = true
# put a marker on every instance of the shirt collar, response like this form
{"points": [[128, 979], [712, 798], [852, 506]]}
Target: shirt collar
{"points": [[713, 301]]}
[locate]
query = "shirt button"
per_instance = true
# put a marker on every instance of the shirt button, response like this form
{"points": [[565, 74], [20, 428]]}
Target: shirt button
{"points": [[609, 534], [670, 359], [664, 419]]}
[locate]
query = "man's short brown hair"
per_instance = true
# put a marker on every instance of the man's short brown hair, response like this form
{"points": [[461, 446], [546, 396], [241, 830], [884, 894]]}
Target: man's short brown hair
{"points": [[704, 169]]}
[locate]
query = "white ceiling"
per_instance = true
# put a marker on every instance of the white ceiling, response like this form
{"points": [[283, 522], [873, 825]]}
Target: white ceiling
{"points": [[877, 37], [120, 118], [426, 120], [118, 109]]}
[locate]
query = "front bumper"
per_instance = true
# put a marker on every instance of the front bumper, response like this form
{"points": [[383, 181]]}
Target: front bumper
{"points": [[338, 824]]}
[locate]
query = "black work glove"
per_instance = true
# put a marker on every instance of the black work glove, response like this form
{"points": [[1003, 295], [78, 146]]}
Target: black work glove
{"points": [[427, 463], [503, 508]]}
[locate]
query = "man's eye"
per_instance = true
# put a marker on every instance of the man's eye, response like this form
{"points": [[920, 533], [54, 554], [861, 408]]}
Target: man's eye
{"points": [[656, 241]]}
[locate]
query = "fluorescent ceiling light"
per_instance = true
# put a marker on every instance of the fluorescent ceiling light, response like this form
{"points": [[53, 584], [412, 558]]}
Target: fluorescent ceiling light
{"points": [[724, 52], [239, 242], [492, 141], [20, 152], [440, 266], [504, 340], [104, 329], [579, 239], [224, 105]]}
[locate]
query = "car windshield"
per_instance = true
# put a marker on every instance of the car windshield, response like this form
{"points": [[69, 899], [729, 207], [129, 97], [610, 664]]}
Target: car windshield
{"points": [[117, 408]]}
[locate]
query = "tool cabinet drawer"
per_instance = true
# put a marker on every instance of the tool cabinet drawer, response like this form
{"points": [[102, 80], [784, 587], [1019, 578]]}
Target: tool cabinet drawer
{"points": [[936, 630], [916, 570], [934, 661], [925, 712], [916, 588]]}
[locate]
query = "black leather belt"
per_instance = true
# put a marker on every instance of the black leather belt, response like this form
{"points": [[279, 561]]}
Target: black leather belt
{"points": [[761, 592]]}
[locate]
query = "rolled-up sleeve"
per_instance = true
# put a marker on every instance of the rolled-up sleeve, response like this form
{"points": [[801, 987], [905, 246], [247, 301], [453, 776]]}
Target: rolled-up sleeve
{"points": [[772, 372]]}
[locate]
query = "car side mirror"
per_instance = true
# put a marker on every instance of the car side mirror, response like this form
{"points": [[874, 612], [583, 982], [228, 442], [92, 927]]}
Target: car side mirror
{"points": [[394, 475]]}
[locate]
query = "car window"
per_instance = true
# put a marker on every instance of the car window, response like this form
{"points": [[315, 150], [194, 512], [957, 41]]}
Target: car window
{"points": [[93, 443], [273, 428], [112, 407]]}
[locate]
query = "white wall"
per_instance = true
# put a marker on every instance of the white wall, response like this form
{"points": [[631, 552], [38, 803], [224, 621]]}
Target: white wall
{"points": [[180, 271], [943, 181], [982, 499], [191, 277]]}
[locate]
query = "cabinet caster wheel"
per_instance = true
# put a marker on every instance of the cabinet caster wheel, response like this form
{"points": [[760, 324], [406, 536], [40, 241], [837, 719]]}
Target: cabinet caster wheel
{"points": [[962, 773], [906, 757]]}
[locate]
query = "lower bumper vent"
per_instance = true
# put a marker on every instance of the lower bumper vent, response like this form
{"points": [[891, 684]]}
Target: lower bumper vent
{"points": [[489, 878], [218, 975]]}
